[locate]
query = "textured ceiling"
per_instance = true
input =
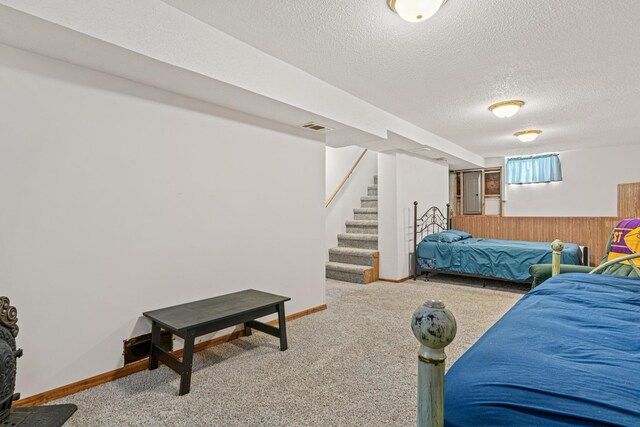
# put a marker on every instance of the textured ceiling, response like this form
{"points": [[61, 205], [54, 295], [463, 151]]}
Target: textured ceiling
{"points": [[575, 63]]}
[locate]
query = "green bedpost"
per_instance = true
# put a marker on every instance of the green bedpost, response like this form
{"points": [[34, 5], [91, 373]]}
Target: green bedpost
{"points": [[435, 327], [557, 246]]}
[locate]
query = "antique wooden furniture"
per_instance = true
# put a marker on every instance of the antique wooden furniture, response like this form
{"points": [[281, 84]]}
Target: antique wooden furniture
{"points": [[193, 319]]}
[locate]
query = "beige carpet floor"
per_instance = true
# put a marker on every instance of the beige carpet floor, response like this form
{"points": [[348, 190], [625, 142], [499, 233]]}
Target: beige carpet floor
{"points": [[353, 364]]}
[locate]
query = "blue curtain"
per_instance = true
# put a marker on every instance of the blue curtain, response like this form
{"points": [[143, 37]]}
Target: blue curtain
{"points": [[531, 169]]}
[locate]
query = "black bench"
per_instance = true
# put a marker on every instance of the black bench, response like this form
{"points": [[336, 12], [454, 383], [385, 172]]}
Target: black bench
{"points": [[193, 319]]}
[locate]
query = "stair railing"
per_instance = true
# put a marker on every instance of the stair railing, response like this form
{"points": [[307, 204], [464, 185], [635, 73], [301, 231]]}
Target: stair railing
{"points": [[346, 178]]}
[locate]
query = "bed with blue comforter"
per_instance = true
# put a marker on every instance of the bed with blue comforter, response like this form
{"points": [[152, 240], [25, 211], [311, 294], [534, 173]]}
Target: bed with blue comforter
{"points": [[568, 353], [501, 259]]}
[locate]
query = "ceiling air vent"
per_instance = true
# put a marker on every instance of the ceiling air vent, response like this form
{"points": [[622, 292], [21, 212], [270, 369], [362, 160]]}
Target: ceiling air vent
{"points": [[317, 127]]}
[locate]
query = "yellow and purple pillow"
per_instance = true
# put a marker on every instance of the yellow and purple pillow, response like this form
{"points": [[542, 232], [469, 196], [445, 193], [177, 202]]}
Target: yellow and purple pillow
{"points": [[625, 240]]}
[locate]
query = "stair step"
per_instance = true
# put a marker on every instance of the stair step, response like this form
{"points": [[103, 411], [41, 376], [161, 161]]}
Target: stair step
{"points": [[362, 222], [365, 216], [350, 268], [369, 201], [349, 272], [362, 226], [361, 241], [356, 259], [353, 251], [353, 256], [367, 237], [365, 210], [365, 213]]}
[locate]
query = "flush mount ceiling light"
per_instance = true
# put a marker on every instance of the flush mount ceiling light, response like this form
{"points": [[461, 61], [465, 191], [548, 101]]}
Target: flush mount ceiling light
{"points": [[506, 108], [527, 135], [416, 10]]}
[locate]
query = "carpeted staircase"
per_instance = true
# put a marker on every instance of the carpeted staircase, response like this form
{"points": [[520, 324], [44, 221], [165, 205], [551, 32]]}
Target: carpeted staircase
{"points": [[356, 259]]}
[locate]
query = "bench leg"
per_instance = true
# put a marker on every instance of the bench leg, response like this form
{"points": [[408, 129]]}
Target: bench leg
{"points": [[247, 330], [155, 341], [187, 364], [283, 327]]}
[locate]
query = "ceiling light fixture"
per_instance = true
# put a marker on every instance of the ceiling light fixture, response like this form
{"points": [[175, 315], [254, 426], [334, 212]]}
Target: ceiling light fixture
{"points": [[416, 10], [527, 135], [506, 108]]}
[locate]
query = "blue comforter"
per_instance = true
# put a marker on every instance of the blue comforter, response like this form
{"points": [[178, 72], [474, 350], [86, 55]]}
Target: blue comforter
{"points": [[506, 259], [568, 353]]}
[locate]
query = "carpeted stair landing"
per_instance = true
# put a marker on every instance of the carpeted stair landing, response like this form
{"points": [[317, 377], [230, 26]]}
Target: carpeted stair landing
{"points": [[356, 259]]}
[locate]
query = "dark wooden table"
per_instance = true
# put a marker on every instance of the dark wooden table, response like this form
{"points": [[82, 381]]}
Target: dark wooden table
{"points": [[193, 319]]}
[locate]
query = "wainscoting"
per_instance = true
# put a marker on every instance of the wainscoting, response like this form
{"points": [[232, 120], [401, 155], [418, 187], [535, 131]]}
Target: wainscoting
{"points": [[585, 231], [629, 200]]}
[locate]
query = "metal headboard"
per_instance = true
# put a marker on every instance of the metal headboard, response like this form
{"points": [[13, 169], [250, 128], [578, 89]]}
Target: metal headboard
{"points": [[432, 221]]}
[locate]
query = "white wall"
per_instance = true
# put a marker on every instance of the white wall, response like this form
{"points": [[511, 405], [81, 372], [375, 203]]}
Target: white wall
{"points": [[194, 58], [588, 188], [411, 178], [338, 162], [388, 238], [119, 198]]}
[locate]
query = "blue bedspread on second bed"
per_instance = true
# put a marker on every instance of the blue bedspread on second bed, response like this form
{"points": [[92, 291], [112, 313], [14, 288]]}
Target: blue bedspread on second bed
{"points": [[507, 259], [568, 353]]}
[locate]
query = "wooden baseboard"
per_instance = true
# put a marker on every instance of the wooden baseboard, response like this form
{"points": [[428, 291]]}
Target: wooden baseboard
{"points": [[141, 365], [396, 281], [301, 313]]}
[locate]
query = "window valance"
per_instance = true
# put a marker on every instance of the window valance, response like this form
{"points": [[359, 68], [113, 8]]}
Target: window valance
{"points": [[533, 169]]}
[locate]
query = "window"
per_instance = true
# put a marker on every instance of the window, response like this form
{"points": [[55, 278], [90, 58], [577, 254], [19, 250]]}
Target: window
{"points": [[532, 169]]}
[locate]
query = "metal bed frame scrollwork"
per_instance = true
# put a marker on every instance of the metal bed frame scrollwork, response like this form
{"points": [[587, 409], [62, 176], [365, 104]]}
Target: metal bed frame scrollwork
{"points": [[432, 221]]}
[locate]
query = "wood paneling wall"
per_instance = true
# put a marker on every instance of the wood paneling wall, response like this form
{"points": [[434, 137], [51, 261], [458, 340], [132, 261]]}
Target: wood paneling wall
{"points": [[629, 200], [585, 231]]}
